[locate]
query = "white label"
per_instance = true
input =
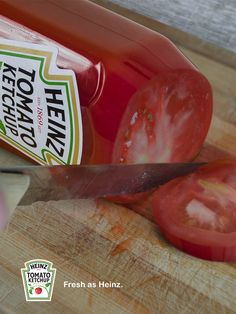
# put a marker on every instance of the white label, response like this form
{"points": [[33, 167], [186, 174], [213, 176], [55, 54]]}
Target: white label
{"points": [[40, 109], [38, 278]]}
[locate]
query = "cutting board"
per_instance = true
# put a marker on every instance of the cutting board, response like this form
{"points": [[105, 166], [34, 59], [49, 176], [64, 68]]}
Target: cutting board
{"points": [[96, 241]]}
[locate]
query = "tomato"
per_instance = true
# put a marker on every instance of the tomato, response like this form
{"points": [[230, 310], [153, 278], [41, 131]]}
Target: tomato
{"points": [[197, 213], [113, 58], [165, 121]]}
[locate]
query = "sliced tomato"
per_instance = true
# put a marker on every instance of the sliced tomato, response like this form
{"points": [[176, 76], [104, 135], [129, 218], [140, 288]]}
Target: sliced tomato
{"points": [[166, 121], [197, 213]]}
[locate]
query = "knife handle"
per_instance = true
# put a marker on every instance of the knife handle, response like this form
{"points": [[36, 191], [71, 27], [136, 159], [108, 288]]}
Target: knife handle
{"points": [[12, 189]]}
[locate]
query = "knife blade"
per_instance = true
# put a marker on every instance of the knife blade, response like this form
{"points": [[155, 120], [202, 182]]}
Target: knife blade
{"points": [[91, 181]]}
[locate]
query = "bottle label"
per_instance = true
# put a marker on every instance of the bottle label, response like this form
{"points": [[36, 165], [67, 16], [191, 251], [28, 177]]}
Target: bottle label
{"points": [[39, 104]]}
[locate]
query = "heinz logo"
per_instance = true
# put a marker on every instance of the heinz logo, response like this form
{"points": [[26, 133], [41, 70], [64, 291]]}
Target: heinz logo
{"points": [[38, 280]]}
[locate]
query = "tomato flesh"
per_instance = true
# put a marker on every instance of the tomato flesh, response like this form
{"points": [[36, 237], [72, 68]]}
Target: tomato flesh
{"points": [[166, 121], [197, 213]]}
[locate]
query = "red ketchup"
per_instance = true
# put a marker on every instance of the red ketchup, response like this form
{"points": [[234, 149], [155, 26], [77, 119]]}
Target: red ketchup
{"points": [[141, 99]]}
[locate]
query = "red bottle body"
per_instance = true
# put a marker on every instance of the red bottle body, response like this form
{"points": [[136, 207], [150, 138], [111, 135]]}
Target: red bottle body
{"points": [[117, 63]]}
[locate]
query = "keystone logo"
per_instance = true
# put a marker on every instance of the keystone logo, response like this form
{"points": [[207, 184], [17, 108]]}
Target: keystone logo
{"points": [[40, 109], [38, 278]]}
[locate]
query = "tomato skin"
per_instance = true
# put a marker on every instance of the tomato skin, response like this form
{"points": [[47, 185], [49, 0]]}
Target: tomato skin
{"points": [[212, 253], [168, 203]]}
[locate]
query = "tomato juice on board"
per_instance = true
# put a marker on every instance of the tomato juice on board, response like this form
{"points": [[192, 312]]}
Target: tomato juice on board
{"points": [[140, 98]]}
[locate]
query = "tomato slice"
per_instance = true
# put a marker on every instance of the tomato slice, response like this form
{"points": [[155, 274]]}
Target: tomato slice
{"points": [[197, 213], [166, 121]]}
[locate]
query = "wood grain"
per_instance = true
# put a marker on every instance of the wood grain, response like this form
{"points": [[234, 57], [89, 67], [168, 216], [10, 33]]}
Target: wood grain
{"points": [[89, 241], [13, 186], [177, 35], [212, 20], [80, 239]]}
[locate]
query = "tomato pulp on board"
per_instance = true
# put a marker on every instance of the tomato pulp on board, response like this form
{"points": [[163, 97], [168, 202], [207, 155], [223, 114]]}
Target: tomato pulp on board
{"points": [[141, 99], [129, 198], [197, 213]]}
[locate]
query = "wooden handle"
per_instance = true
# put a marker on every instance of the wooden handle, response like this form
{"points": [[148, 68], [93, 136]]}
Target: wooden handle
{"points": [[13, 188]]}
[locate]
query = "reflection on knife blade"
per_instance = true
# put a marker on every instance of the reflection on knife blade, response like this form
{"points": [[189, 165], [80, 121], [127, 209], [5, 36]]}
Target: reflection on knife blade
{"points": [[90, 181]]}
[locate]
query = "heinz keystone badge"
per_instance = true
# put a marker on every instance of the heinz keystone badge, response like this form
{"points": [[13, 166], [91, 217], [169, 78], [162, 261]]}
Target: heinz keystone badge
{"points": [[40, 109], [38, 278]]}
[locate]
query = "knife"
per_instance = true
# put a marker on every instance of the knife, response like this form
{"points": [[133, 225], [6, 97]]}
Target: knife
{"points": [[44, 183]]}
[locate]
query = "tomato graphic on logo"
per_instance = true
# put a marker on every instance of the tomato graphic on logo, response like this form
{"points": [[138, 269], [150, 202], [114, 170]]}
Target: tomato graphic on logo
{"points": [[38, 290]]}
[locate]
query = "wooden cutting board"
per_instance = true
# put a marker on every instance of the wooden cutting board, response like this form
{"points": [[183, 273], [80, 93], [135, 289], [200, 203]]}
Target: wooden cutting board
{"points": [[90, 241]]}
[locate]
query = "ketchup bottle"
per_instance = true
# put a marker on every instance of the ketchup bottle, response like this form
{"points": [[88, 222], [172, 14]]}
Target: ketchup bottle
{"points": [[140, 99]]}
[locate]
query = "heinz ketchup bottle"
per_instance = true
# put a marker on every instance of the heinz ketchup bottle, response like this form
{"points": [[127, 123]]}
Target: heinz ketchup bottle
{"points": [[140, 99]]}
